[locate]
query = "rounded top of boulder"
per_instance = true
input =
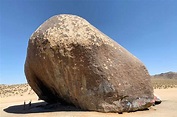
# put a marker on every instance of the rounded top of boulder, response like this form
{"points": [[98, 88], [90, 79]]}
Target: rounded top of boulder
{"points": [[60, 28]]}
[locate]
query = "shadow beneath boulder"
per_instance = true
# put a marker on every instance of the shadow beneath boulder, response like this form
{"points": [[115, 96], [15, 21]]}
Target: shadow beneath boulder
{"points": [[40, 107]]}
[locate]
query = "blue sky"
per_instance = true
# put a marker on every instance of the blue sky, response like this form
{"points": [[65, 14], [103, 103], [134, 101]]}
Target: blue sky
{"points": [[146, 28]]}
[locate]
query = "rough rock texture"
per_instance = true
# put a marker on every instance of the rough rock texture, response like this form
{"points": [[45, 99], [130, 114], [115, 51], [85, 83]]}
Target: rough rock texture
{"points": [[70, 61]]}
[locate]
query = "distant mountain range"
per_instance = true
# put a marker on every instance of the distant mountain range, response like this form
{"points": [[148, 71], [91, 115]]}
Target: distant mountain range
{"points": [[169, 75]]}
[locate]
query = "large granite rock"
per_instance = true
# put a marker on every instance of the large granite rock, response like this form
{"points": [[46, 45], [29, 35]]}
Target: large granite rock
{"points": [[70, 61]]}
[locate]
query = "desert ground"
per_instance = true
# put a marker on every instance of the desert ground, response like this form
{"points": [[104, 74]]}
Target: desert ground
{"points": [[12, 98]]}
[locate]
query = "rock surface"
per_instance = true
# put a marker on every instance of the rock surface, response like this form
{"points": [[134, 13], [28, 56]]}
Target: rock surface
{"points": [[70, 61]]}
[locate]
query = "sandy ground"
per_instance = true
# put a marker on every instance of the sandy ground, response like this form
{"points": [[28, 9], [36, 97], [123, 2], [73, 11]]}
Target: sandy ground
{"points": [[14, 107]]}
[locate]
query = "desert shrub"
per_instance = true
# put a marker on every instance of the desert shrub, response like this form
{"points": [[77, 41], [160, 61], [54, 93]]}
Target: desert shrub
{"points": [[162, 83], [11, 90]]}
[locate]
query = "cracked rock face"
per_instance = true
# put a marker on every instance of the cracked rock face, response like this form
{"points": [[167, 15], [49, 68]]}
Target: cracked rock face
{"points": [[70, 61]]}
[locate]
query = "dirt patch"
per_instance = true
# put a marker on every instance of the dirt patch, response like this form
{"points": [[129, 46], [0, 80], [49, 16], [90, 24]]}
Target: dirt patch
{"points": [[14, 107]]}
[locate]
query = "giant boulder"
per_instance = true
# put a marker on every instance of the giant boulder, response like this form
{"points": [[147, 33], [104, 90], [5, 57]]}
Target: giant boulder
{"points": [[70, 61]]}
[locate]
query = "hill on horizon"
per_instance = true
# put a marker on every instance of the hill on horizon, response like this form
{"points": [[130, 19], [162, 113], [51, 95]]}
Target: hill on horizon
{"points": [[167, 75]]}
